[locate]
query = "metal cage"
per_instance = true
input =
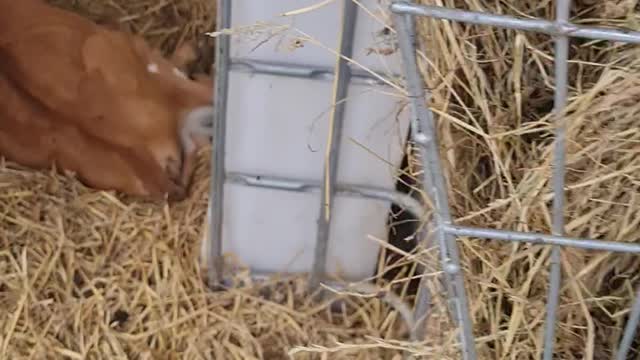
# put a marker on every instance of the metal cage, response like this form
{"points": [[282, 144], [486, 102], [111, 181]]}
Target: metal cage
{"points": [[433, 182]]}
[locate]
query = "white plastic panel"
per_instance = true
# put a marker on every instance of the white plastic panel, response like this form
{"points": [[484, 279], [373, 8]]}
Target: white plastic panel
{"points": [[279, 126], [274, 36], [275, 231]]}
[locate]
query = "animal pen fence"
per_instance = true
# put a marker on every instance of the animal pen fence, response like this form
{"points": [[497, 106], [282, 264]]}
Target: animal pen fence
{"points": [[433, 182]]}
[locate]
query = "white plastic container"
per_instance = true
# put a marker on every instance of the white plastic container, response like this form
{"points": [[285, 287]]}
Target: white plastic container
{"points": [[278, 126]]}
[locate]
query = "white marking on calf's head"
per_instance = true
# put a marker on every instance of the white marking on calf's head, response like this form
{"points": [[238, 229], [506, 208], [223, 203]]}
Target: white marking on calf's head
{"points": [[153, 68]]}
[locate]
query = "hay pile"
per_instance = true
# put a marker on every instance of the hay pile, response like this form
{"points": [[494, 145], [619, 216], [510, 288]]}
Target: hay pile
{"points": [[87, 275]]}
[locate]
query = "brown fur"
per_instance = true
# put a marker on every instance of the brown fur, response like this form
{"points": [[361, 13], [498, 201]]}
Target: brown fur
{"points": [[94, 91]]}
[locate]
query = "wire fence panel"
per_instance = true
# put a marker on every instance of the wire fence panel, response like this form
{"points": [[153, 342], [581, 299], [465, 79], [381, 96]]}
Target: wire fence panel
{"points": [[561, 29]]}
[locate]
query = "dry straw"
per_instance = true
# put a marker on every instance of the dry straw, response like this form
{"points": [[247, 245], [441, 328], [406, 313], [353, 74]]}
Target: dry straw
{"points": [[91, 275]]}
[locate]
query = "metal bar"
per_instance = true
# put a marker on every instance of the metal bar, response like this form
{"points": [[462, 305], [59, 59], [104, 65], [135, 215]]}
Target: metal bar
{"points": [[216, 192], [543, 239], [423, 299], [630, 329], [425, 136], [405, 201], [515, 23], [358, 76], [561, 61], [341, 85]]}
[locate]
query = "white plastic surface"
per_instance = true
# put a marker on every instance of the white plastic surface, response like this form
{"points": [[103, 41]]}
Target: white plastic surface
{"points": [[269, 36], [274, 231], [278, 126]]}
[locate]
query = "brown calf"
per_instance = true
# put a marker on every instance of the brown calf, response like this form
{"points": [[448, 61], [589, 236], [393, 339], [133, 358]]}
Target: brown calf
{"points": [[100, 91]]}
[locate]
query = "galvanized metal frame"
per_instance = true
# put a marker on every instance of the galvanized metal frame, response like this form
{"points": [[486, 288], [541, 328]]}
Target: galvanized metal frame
{"points": [[425, 136], [561, 29], [218, 168]]}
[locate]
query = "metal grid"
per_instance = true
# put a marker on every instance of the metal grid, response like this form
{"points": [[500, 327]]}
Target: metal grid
{"points": [[424, 135], [561, 29]]}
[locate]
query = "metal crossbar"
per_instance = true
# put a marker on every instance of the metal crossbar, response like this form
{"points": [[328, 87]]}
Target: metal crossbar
{"points": [[561, 29], [357, 76], [425, 136], [553, 28]]}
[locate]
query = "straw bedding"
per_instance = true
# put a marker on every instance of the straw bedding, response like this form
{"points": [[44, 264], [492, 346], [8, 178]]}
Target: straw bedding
{"points": [[88, 274]]}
